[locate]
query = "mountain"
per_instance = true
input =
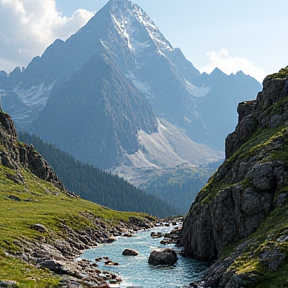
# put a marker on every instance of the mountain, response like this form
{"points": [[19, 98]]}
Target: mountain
{"points": [[98, 186], [116, 91], [239, 218]]}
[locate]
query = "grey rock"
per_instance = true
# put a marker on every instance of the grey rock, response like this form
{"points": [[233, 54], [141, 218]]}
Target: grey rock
{"points": [[15, 198], [8, 284], [273, 259], [163, 257], [240, 280], [53, 266], [280, 200], [39, 227], [130, 252], [243, 131], [262, 175], [277, 120]]}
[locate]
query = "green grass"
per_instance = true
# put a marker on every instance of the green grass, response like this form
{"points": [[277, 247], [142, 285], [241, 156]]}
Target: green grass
{"points": [[283, 73], [258, 141], [40, 203]]}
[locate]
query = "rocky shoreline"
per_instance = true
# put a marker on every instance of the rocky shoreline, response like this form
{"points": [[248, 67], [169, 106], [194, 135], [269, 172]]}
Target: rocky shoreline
{"points": [[62, 256]]}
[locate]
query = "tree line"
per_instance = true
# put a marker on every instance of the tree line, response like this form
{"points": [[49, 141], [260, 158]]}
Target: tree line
{"points": [[96, 185]]}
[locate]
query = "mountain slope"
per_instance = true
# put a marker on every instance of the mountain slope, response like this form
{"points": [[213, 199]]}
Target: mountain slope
{"points": [[239, 217], [107, 87], [96, 185], [96, 114]]}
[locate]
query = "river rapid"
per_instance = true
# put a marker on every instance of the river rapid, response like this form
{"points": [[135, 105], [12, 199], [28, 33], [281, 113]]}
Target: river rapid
{"points": [[135, 270]]}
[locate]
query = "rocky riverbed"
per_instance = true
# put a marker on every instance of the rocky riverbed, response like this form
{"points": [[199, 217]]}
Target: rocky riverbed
{"points": [[61, 255], [136, 271]]}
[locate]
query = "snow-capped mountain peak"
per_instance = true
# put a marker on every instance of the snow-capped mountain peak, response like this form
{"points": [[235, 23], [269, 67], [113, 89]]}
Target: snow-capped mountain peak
{"points": [[136, 27]]}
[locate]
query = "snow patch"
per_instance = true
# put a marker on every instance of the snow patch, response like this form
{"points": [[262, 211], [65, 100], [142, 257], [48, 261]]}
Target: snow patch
{"points": [[121, 28], [197, 91], [36, 95]]}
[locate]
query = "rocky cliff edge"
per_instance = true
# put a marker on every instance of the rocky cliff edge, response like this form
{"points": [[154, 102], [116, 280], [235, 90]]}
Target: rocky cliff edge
{"points": [[239, 219], [16, 155]]}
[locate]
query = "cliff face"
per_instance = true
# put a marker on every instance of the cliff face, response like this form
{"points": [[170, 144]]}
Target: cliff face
{"points": [[245, 196], [16, 155]]}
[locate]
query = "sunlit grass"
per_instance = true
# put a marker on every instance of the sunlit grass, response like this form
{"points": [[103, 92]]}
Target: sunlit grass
{"points": [[40, 202]]}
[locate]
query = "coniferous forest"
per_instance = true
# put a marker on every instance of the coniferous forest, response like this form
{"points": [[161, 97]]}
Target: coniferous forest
{"points": [[96, 185]]}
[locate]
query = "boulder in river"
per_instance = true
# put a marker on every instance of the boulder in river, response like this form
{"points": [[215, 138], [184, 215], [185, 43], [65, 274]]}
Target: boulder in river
{"points": [[156, 234], [163, 257], [130, 252]]}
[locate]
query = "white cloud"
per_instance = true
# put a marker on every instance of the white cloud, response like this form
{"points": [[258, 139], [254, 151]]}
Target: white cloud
{"points": [[27, 27], [229, 64]]}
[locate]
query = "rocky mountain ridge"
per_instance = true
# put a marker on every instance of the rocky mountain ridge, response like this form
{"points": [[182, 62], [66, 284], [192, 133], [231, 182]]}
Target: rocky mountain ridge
{"points": [[238, 217]]}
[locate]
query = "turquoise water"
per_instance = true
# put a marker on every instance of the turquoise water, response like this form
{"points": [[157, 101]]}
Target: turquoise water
{"points": [[136, 272]]}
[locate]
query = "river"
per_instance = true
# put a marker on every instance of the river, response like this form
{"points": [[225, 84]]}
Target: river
{"points": [[136, 272]]}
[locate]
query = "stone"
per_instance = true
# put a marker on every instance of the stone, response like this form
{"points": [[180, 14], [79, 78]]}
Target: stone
{"points": [[156, 234], [130, 252], [273, 259], [276, 121], [53, 266], [8, 284], [280, 200], [262, 175], [110, 240], [163, 257], [166, 241], [241, 280], [15, 198], [39, 227]]}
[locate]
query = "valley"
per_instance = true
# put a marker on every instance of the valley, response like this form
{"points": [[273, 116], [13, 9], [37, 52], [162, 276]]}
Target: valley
{"points": [[117, 95], [112, 139]]}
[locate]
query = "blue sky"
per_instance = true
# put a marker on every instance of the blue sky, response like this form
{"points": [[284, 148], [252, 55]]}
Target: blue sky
{"points": [[232, 35]]}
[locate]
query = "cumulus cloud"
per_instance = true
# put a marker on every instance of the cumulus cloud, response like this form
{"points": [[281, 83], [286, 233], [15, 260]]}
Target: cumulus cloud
{"points": [[230, 64], [27, 27]]}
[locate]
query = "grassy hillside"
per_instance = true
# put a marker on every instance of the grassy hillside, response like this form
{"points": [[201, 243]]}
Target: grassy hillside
{"points": [[35, 201]]}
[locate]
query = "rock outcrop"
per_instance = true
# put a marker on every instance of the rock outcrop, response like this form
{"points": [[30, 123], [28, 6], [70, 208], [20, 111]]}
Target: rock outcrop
{"points": [[15, 154], [245, 193]]}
